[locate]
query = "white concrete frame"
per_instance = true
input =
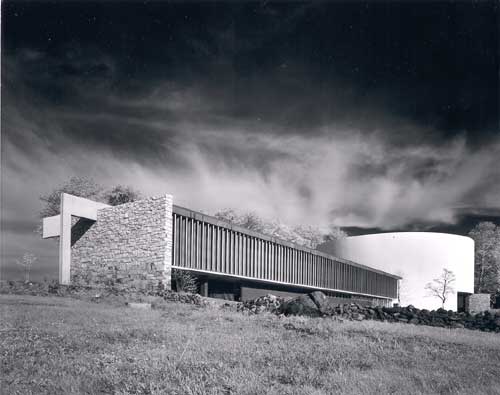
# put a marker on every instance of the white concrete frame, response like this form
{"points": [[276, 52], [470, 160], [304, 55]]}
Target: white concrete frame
{"points": [[60, 226]]}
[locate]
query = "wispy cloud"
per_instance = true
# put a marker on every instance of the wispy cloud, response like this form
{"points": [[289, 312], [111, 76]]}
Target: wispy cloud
{"points": [[179, 139]]}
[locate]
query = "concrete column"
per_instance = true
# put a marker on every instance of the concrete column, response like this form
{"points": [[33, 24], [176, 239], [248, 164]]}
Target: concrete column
{"points": [[64, 243], [204, 288]]}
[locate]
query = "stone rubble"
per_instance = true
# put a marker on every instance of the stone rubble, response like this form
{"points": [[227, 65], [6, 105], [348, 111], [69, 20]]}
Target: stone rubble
{"points": [[268, 303], [316, 304]]}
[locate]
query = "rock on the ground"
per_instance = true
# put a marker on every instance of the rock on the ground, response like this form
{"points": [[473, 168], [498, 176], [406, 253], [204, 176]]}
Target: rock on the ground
{"points": [[300, 305], [319, 299], [133, 305]]}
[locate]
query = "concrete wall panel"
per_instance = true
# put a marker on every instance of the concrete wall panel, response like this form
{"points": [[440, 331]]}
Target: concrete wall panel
{"points": [[81, 207], [51, 227]]}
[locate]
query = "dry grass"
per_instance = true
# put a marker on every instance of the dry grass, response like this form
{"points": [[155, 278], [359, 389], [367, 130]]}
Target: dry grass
{"points": [[60, 345]]}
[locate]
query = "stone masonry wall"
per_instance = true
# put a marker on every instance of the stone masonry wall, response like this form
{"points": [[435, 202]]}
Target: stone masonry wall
{"points": [[477, 303], [128, 246]]}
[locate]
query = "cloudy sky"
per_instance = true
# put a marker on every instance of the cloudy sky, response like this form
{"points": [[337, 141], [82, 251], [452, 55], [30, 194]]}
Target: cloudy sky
{"points": [[370, 116]]}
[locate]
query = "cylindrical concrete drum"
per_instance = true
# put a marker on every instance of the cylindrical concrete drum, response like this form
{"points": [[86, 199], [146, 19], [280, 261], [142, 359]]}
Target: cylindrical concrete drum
{"points": [[419, 257]]}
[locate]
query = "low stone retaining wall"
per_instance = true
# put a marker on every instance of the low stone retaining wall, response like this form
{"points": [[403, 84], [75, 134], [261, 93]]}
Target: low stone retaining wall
{"points": [[316, 304]]}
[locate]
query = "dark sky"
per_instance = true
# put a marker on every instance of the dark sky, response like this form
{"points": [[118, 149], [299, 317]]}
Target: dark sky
{"points": [[371, 116]]}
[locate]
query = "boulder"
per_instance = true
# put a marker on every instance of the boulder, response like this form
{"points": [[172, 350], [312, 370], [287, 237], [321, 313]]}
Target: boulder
{"points": [[134, 305], [300, 305], [319, 298], [326, 305]]}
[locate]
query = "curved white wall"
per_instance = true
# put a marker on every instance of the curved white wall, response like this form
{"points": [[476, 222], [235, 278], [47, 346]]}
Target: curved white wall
{"points": [[418, 257]]}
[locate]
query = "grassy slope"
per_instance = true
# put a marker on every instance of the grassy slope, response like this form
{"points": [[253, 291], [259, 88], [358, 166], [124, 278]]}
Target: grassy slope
{"points": [[61, 345]]}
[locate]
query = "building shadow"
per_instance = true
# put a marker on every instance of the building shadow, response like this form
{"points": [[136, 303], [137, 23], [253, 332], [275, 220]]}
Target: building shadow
{"points": [[79, 228]]}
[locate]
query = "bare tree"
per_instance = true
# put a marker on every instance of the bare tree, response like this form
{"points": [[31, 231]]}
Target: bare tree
{"points": [[442, 286], [27, 262]]}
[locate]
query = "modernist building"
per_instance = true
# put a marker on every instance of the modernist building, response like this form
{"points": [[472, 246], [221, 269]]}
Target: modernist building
{"points": [[418, 257], [138, 244]]}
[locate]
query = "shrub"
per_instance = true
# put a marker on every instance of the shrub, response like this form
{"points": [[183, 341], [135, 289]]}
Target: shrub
{"points": [[184, 281]]}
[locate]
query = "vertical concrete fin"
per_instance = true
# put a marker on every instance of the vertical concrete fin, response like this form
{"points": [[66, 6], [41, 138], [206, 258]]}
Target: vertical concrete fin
{"points": [[169, 242], [65, 242]]}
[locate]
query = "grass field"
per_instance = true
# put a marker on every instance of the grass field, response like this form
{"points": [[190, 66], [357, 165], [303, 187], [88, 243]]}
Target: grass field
{"points": [[59, 345]]}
